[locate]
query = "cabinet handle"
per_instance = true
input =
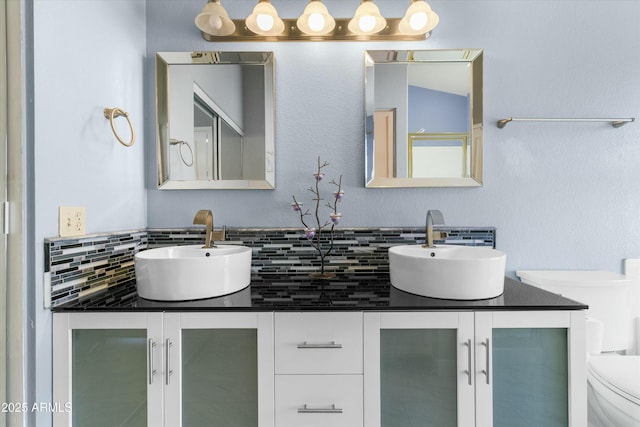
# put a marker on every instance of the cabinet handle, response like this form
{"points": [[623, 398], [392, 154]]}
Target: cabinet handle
{"points": [[319, 410], [488, 361], [152, 371], [331, 344], [169, 344], [468, 371]]}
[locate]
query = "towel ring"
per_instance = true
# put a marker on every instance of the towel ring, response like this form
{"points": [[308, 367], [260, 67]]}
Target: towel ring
{"points": [[112, 113], [181, 144]]}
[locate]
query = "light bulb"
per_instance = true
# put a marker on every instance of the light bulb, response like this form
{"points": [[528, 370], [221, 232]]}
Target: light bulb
{"points": [[316, 22], [366, 23], [367, 20], [215, 22], [265, 22], [316, 19], [418, 21]]}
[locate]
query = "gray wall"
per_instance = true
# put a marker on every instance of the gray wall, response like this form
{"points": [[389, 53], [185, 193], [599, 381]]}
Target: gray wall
{"points": [[88, 55], [561, 195]]}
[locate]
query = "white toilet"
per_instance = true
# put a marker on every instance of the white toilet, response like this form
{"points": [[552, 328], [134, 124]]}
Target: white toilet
{"points": [[613, 378]]}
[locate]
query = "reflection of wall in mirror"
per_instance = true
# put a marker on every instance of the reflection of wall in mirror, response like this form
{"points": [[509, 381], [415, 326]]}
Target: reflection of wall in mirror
{"points": [[437, 112], [222, 82], [391, 82], [255, 108], [230, 165]]}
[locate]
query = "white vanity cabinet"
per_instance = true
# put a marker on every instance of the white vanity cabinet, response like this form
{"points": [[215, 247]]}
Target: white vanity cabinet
{"points": [[500, 368], [325, 368], [318, 367], [164, 369]]}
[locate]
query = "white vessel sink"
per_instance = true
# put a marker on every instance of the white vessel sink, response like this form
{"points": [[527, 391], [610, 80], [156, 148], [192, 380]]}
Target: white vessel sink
{"points": [[447, 271], [183, 273]]}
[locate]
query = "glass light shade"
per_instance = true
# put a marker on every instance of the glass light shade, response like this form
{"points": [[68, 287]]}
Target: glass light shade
{"points": [[214, 20], [419, 19], [367, 19], [265, 20], [316, 20]]}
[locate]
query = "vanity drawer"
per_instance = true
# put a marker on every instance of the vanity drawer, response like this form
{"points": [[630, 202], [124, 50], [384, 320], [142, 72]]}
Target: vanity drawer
{"points": [[319, 401], [318, 343]]}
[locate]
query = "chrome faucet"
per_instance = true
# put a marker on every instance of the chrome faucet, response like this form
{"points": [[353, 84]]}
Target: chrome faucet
{"points": [[205, 217], [434, 217]]}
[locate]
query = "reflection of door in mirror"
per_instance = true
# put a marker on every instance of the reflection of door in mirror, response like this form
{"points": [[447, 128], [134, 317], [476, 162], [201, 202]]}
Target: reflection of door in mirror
{"points": [[385, 147], [202, 135], [218, 139]]}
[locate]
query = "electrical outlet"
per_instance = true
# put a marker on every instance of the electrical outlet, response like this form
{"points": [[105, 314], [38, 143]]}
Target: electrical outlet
{"points": [[71, 221]]}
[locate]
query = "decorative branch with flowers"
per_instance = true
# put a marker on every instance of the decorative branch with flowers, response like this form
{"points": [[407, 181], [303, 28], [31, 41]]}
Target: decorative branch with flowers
{"points": [[314, 225]]}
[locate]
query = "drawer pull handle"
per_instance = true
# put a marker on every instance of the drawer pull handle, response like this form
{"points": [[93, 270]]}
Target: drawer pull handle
{"points": [[169, 370], [469, 372], [487, 359], [152, 370], [331, 344], [309, 410]]}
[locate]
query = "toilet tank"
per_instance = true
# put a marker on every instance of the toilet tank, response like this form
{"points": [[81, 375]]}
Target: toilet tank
{"points": [[606, 293]]}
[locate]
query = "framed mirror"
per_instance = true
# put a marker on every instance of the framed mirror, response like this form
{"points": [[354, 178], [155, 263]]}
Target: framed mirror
{"points": [[215, 118], [423, 118]]}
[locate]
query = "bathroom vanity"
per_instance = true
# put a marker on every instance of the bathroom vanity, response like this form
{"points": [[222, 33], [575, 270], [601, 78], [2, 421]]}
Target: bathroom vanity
{"points": [[353, 351]]}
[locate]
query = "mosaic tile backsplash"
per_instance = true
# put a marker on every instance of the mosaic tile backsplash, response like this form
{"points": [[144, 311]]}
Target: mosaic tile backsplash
{"points": [[84, 267], [81, 267]]}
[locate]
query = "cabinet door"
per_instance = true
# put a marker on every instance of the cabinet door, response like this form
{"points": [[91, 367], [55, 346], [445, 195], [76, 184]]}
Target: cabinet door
{"points": [[220, 369], [418, 369], [106, 369], [530, 369]]}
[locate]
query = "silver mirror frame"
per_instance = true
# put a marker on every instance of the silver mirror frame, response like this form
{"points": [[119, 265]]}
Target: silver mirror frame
{"points": [[475, 59], [163, 61]]}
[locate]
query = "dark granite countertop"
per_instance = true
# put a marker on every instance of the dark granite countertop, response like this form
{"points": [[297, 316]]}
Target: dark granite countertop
{"points": [[354, 292]]}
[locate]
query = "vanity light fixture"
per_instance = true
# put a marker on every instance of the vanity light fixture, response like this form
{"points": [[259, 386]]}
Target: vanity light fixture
{"points": [[214, 20], [316, 19], [316, 24], [264, 20], [367, 19]]}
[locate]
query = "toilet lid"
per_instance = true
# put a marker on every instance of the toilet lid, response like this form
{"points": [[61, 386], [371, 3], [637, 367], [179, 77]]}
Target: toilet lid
{"points": [[619, 373]]}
